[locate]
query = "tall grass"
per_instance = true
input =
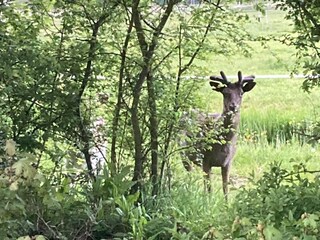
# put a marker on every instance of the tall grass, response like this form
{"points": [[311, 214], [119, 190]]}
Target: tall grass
{"points": [[187, 211], [276, 107]]}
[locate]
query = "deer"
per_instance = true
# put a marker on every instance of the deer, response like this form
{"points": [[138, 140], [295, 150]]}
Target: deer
{"points": [[212, 142]]}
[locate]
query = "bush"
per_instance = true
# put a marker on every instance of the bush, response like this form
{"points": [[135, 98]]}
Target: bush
{"points": [[282, 205], [32, 204]]}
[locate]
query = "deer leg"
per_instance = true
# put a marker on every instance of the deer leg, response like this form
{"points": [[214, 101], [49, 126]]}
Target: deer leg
{"points": [[225, 171], [189, 158], [207, 181]]}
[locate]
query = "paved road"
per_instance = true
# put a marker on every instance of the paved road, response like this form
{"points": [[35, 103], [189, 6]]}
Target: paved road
{"points": [[279, 76]]}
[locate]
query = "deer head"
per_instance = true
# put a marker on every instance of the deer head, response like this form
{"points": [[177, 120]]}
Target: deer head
{"points": [[232, 92]]}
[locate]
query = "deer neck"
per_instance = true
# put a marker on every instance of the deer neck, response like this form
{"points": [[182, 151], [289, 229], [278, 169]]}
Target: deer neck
{"points": [[231, 122]]}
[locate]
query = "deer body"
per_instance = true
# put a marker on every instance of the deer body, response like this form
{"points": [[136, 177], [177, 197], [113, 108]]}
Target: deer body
{"points": [[214, 143]]}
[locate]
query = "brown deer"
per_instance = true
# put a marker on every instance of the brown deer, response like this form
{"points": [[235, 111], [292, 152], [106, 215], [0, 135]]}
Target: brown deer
{"points": [[213, 142]]}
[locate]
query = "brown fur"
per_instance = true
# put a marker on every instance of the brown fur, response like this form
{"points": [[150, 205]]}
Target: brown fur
{"points": [[212, 141]]}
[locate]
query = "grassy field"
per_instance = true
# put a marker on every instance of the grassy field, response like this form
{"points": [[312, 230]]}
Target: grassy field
{"points": [[267, 57]]}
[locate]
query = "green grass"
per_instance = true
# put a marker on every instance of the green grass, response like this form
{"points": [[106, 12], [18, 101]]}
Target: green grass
{"points": [[266, 57], [255, 157], [274, 107], [272, 23], [277, 104]]}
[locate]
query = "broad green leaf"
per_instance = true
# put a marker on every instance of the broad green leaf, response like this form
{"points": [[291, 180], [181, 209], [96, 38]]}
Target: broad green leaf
{"points": [[24, 238], [271, 233], [40, 237]]}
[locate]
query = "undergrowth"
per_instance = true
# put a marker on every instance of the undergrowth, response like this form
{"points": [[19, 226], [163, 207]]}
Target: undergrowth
{"points": [[282, 204]]}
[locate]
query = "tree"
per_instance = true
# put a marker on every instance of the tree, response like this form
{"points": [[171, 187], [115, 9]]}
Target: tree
{"points": [[57, 52], [306, 18], [46, 78], [58, 62], [156, 61]]}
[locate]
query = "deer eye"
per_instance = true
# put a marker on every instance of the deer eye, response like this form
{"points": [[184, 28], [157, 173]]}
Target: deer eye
{"points": [[227, 94]]}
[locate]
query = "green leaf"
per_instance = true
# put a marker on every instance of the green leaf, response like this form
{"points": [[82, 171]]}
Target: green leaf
{"points": [[24, 167], [120, 212], [40, 237], [271, 233], [24, 238]]}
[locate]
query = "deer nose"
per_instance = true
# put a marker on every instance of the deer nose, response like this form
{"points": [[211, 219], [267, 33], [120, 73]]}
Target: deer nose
{"points": [[232, 108]]}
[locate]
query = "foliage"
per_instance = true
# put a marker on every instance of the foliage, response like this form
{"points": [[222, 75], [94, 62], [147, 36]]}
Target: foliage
{"points": [[65, 63], [16, 175], [281, 205], [285, 206], [34, 204], [305, 15], [62, 56], [57, 59]]}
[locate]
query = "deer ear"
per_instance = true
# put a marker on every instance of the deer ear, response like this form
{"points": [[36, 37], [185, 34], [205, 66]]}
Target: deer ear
{"points": [[217, 86], [248, 86]]}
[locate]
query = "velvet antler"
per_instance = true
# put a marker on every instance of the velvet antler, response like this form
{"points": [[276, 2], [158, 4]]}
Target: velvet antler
{"points": [[223, 79]]}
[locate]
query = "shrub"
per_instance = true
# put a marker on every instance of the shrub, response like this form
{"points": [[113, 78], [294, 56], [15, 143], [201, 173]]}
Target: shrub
{"points": [[35, 206], [281, 205]]}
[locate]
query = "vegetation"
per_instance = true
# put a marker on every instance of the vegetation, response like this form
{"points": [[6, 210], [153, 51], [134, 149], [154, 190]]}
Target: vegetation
{"points": [[53, 57], [306, 21]]}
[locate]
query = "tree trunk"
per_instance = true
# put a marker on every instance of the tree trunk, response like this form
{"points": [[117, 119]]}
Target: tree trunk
{"points": [[82, 123], [147, 51], [115, 122], [153, 128]]}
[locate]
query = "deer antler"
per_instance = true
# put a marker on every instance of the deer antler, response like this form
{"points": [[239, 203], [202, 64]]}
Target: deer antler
{"points": [[242, 80], [240, 77], [223, 79]]}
